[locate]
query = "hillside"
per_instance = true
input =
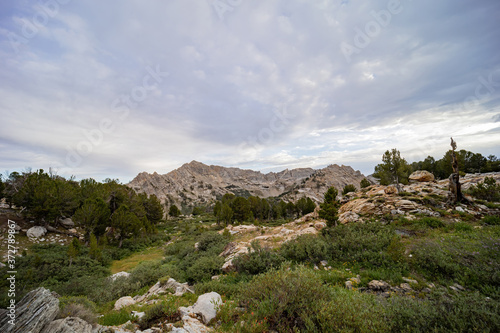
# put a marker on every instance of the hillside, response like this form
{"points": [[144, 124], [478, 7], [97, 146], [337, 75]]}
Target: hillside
{"points": [[195, 183]]}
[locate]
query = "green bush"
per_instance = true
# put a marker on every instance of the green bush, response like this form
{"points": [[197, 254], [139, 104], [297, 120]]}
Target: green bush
{"points": [[164, 311], [203, 268], [79, 311], [115, 318], [449, 313], [285, 297], [487, 190], [491, 220], [306, 248], [463, 227], [258, 261], [348, 188], [432, 222]]}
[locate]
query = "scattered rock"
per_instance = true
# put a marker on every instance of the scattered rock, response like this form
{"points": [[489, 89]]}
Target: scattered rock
{"points": [[421, 176], [410, 280], [35, 310], [123, 302], [459, 287], [348, 285], [206, 306], [138, 315], [36, 232], [390, 190], [406, 287], [377, 285], [119, 275], [69, 325], [459, 209], [67, 223], [348, 217]]}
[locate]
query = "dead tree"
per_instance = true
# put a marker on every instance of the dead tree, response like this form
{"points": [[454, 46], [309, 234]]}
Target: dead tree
{"points": [[454, 179]]}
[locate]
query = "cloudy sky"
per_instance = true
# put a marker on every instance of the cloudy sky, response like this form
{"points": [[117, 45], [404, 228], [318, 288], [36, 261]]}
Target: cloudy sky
{"points": [[113, 88]]}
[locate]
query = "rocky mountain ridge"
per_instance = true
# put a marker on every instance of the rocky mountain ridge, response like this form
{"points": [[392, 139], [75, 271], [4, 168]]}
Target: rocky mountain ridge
{"points": [[196, 183]]}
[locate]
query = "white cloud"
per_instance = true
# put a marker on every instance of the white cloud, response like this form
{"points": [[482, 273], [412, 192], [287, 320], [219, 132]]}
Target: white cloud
{"points": [[406, 89]]}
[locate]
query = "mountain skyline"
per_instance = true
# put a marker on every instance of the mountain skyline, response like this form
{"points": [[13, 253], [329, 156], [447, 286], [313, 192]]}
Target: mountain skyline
{"points": [[113, 89]]}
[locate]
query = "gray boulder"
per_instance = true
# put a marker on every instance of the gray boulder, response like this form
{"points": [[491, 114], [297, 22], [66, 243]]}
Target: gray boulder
{"points": [[377, 285], [67, 223], [206, 306], [35, 310], [68, 325], [36, 232]]}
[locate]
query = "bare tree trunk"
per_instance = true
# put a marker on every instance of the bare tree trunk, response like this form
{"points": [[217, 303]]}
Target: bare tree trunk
{"points": [[454, 179]]}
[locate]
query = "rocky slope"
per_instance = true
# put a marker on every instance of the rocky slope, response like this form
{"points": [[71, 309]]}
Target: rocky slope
{"points": [[196, 183]]}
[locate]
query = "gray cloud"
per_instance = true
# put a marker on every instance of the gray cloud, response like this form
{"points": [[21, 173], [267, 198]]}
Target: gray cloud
{"points": [[413, 84]]}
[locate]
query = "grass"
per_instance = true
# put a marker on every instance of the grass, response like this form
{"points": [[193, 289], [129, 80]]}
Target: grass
{"points": [[126, 264]]}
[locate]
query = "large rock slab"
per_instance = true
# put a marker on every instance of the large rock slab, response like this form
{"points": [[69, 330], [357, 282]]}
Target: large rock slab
{"points": [[421, 176], [123, 302], [35, 310], [68, 325], [206, 306], [119, 275], [67, 223], [36, 232]]}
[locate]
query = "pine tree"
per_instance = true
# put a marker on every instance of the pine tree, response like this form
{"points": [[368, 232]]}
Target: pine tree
{"points": [[329, 207]]}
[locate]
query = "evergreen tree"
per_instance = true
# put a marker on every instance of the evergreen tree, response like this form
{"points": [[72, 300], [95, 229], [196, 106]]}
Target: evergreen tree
{"points": [[226, 214], [174, 211], [93, 216], [73, 250], [125, 223], [393, 170], [364, 183], [348, 188], [329, 207], [94, 251]]}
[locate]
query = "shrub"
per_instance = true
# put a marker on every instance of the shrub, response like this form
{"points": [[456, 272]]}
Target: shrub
{"points": [[348, 188], [212, 242], [285, 297], [258, 261], [203, 268], [115, 318], [306, 248], [432, 222], [77, 310], [488, 190], [463, 227], [364, 183], [491, 220], [165, 311]]}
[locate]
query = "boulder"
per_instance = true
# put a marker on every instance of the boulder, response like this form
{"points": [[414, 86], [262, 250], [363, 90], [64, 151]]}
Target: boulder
{"points": [[34, 311], [119, 275], [348, 285], [123, 302], [377, 285], [36, 232], [319, 225], [67, 223], [421, 176], [390, 190], [206, 306], [69, 325], [171, 285], [348, 217], [406, 204]]}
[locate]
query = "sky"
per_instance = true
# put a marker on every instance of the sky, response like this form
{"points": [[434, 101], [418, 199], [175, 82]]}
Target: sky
{"points": [[114, 88]]}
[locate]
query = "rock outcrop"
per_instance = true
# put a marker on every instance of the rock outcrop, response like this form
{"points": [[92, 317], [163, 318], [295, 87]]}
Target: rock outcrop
{"points": [[35, 310], [36, 232], [421, 176], [205, 308], [68, 325], [196, 183]]}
